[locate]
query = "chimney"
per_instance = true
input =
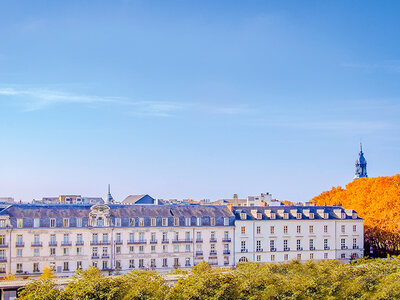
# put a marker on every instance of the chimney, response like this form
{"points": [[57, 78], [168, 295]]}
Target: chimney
{"points": [[235, 200]]}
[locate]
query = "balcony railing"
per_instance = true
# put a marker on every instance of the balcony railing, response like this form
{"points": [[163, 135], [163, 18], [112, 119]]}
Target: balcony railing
{"points": [[153, 241], [312, 248], [3, 259], [37, 244], [213, 263], [140, 242], [66, 243], [105, 256], [199, 253], [95, 256], [177, 266], [94, 243], [165, 241], [227, 252], [213, 253], [327, 248], [20, 244], [273, 249], [181, 241], [226, 240], [119, 242], [53, 244], [356, 247], [259, 250], [199, 240], [244, 250], [344, 247], [299, 248], [79, 243], [213, 240], [3, 245], [286, 249]]}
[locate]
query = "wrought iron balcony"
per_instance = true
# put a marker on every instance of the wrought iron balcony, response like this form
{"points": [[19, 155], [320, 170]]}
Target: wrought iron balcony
{"points": [[226, 240], [227, 252], [37, 244]]}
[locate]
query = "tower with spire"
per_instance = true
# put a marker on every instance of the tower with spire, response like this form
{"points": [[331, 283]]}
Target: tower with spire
{"points": [[361, 165], [110, 199]]}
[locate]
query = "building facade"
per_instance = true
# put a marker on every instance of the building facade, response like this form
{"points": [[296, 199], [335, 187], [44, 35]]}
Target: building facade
{"points": [[119, 238], [278, 234], [114, 238]]}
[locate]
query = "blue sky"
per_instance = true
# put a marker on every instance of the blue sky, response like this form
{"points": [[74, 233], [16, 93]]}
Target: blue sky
{"points": [[196, 99]]}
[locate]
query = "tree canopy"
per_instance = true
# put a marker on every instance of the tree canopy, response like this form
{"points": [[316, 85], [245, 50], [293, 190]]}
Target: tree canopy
{"points": [[377, 200]]}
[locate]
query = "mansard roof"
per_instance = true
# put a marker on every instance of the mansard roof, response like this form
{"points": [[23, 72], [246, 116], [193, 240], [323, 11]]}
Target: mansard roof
{"points": [[334, 212], [116, 210]]}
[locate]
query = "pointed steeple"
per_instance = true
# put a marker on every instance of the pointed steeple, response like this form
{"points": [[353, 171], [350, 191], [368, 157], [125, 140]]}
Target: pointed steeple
{"points": [[110, 199], [361, 165]]}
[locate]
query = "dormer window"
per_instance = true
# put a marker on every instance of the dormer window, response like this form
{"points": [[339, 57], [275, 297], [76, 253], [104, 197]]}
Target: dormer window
{"points": [[198, 221], [298, 215], [153, 221], [100, 222], [2, 223], [141, 222], [326, 216], [354, 215], [343, 216], [164, 221], [36, 223], [273, 216], [66, 222], [286, 216], [176, 221], [259, 217], [212, 221], [243, 216], [311, 215]]}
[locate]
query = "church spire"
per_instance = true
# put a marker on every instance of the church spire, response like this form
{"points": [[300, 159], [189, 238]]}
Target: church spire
{"points": [[110, 199], [361, 165]]}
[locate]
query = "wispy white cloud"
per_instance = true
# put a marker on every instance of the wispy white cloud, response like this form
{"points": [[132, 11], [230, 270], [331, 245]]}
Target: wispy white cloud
{"points": [[392, 66], [33, 99]]}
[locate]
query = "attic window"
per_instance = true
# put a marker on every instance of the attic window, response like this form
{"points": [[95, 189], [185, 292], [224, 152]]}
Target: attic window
{"points": [[164, 221], [354, 215], [243, 216], [311, 215], [273, 216], [176, 221], [298, 215], [2, 223], [212, 221], [259, 217], [343, 216], [131, 221], [153, 221], [286, 216], [326, 216], [198, 221]]}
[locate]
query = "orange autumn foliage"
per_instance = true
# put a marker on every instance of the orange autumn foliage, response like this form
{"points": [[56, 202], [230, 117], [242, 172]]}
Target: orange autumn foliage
{"points": [[377, 201]]}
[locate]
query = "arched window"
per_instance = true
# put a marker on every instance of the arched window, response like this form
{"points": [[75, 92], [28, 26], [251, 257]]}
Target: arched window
{"points": [[243, 259], [100, 222]]}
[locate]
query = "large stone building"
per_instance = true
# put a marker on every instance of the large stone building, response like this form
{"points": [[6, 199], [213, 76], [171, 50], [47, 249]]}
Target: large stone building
{"points": [[118, 237], [113, 237], [277, 234]]}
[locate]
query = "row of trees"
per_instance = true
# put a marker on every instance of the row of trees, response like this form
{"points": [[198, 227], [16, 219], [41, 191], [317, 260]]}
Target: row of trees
{"points": [[365, 279], [377, 200]]}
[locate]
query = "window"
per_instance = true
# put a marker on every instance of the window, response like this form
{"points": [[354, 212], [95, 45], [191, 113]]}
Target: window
{"points": [[78, 265], [52, 251], [66, 266], [65, 251], [2, 239], [19, 239], [258, 246], [243, 246], [198, 221], [325, 255], [141, 263], [286, 216], [153, 221], [298, 229], [176, 248], [118, 249], [187, 235], [212, 237], [243, 230], [311, 255], [326, 216], [164, 237], [272, 245], [298, 244], [95, 238], [176, 221], [272, 229], [131, 222], [187, 222], [198, 236], [326, 247], [272, 257], [2, 223], [311, 229], [52, 222], [243, 216], [141, 222], [2, 254], [36, 240], [105, 251], [118, 237], [79, 251], [285, 229], [66, 222], [117, 222], [343, 256], [131, 264], [153, 237], [66, 238], [19, 252], [299, 256], [141, 249], [343, 228], [36, 222], [131, 249], [311, 215], [354, 243], [164, 263], [212, 221], [176, 262], [187, 248], [131, 237], [286, 257], [164, 222], [79, 222], [226, 221], [152, 263], [105, 238], [311, 244], [258, 258], [35, 267], [325, 228], [176, 236], [285, 245], [19, 224], [187, 262], [94, 252], [298, 215], [258, 229], [273, 216], [141, 236], [354, 228], [165, 248], [105, 265]]}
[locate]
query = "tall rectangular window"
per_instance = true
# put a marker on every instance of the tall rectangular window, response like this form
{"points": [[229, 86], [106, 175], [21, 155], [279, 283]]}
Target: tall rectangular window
{"points": [[52, 223], [79, 222], [19, 224], [36, 223], [258, 229], [325, 228], [298, 230], [164, 222], [243, 229], [311, 229], [285, 229], [212, 221], [66, 222], [272, 229]]}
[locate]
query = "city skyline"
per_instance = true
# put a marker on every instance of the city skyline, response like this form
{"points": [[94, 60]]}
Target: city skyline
{"points": [[196, 100]]}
